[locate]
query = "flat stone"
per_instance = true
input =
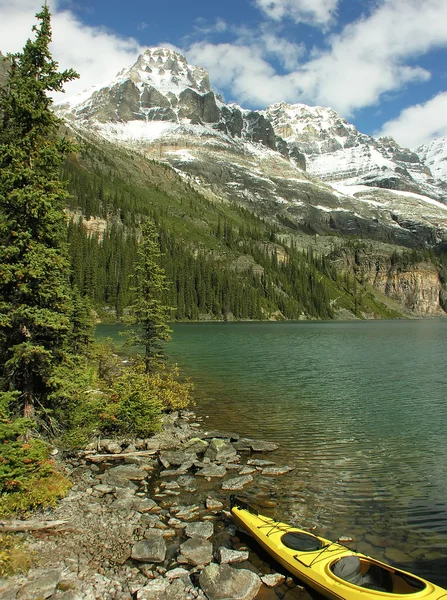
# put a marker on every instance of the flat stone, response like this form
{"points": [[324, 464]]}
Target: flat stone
{"points": [[152, 549], [212, 471], [103, 489], [274, 471], [199, 530], [187, 513], [237, 483], [154, 590], [176, 573], [221, 582], [41, 588], [260, 446], [220, 450], [197, 551], [248, 470], [273, 579], [153, 521], [257, 462], [213, 504], [229, 557], [121, 475]]}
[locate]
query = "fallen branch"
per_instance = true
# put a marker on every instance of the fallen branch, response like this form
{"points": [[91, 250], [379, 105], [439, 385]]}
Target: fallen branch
{"points": [[102, 457], [30, 525]]}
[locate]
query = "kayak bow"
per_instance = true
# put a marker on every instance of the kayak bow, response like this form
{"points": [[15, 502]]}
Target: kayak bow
{"points": [[328, 567]]}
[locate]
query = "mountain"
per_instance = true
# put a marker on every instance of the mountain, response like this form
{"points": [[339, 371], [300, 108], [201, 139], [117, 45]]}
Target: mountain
{"points": [[165, 108], [434, 155], [336, 152], [246, 231]]}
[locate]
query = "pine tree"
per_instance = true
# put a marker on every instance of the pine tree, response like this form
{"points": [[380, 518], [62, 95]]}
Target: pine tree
{"points": [[35, 294], [148, 315]]}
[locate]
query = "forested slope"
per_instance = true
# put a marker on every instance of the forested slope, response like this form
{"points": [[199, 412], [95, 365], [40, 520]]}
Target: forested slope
{"points": [[222, 261]]}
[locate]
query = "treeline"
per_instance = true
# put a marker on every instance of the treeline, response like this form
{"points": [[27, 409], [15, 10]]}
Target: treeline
{"points": [[199, 256]]}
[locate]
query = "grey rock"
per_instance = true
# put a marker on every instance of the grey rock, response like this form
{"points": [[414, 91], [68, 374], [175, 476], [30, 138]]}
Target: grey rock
{"points": [[257, 462], [196, 445], [212, 471], [197, 551], [227, 556], [220, 450], [111, 446], [237, 483], [199, 530], [103, 489], [179, 457], [273, 579], [154, 590], [274, 471], [213, 504], [260, 446], [41, 588], [247, 470], [186, 513], [151, 549], [221, 582], [121, 475]]}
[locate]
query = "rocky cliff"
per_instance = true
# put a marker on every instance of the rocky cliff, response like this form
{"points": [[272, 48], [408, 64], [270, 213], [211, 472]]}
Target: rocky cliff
{"points": [[403, 278]]}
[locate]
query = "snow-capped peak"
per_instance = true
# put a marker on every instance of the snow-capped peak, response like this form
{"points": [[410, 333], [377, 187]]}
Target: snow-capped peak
{"points": [[434, 154]]}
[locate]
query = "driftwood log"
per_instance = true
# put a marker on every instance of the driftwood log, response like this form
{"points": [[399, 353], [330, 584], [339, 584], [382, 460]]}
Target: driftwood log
{"points": [[30, 525], [103, 457]]}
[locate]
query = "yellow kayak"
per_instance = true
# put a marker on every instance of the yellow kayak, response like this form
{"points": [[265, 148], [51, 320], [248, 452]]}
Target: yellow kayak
{"points": [[331, 568]]}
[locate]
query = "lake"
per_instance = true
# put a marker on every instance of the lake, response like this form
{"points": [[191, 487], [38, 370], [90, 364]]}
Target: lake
{"points": [[358, 408]]}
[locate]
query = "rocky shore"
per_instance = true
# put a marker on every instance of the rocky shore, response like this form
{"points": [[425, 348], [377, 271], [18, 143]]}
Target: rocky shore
{"points": [[149, 520]]}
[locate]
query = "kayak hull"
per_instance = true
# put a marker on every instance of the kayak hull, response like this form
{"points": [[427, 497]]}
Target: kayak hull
{"points": [[314, 565]]}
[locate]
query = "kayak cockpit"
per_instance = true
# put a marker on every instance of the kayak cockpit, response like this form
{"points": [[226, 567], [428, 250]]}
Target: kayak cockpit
{"points": [[375, 576]]}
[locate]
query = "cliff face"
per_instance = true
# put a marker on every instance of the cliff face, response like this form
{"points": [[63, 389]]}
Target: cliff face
{"points": [[414, 284], [418, 288]]}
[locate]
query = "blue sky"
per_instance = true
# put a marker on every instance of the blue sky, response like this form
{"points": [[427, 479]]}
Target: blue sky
{"points": [[381, 64]]}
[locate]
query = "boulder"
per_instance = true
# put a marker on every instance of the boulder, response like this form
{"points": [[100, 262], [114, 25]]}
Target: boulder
{"points": [[220, 582], [111, 446], [196, 551], [42, 587], [200, 530], [152, 549], [178, 457], [196, 445], [229, 557], [121, 475], [221, 451]]}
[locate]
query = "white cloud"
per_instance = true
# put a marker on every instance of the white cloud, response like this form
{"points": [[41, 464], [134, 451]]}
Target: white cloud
{"points": [[312, 12], [419, 124], [95, 53], [368, 58]]}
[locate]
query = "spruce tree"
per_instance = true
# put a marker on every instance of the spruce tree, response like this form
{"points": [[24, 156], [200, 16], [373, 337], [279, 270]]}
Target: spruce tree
{"points": [[35, 294], [148, 315]]}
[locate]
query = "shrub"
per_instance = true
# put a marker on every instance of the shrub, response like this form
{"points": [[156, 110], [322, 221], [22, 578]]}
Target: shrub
{"points": [[14, 557], [173, 393]]}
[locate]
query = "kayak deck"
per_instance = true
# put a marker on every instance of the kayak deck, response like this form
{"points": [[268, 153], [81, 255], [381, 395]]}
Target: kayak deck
{"points": [[319, 562]]}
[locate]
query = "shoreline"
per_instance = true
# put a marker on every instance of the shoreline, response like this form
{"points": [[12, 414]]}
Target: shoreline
{"points": [[149, 519]]}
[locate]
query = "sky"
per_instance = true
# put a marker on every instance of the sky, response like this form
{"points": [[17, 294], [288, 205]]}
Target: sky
{"points": [[381, 64]]}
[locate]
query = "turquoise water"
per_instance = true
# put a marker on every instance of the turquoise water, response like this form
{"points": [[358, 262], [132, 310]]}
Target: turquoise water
{"points": [[358, 408]]}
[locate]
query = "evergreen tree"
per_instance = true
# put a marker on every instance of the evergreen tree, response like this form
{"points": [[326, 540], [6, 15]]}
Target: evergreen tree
{"points": [[35, 294], [148, 312]]}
